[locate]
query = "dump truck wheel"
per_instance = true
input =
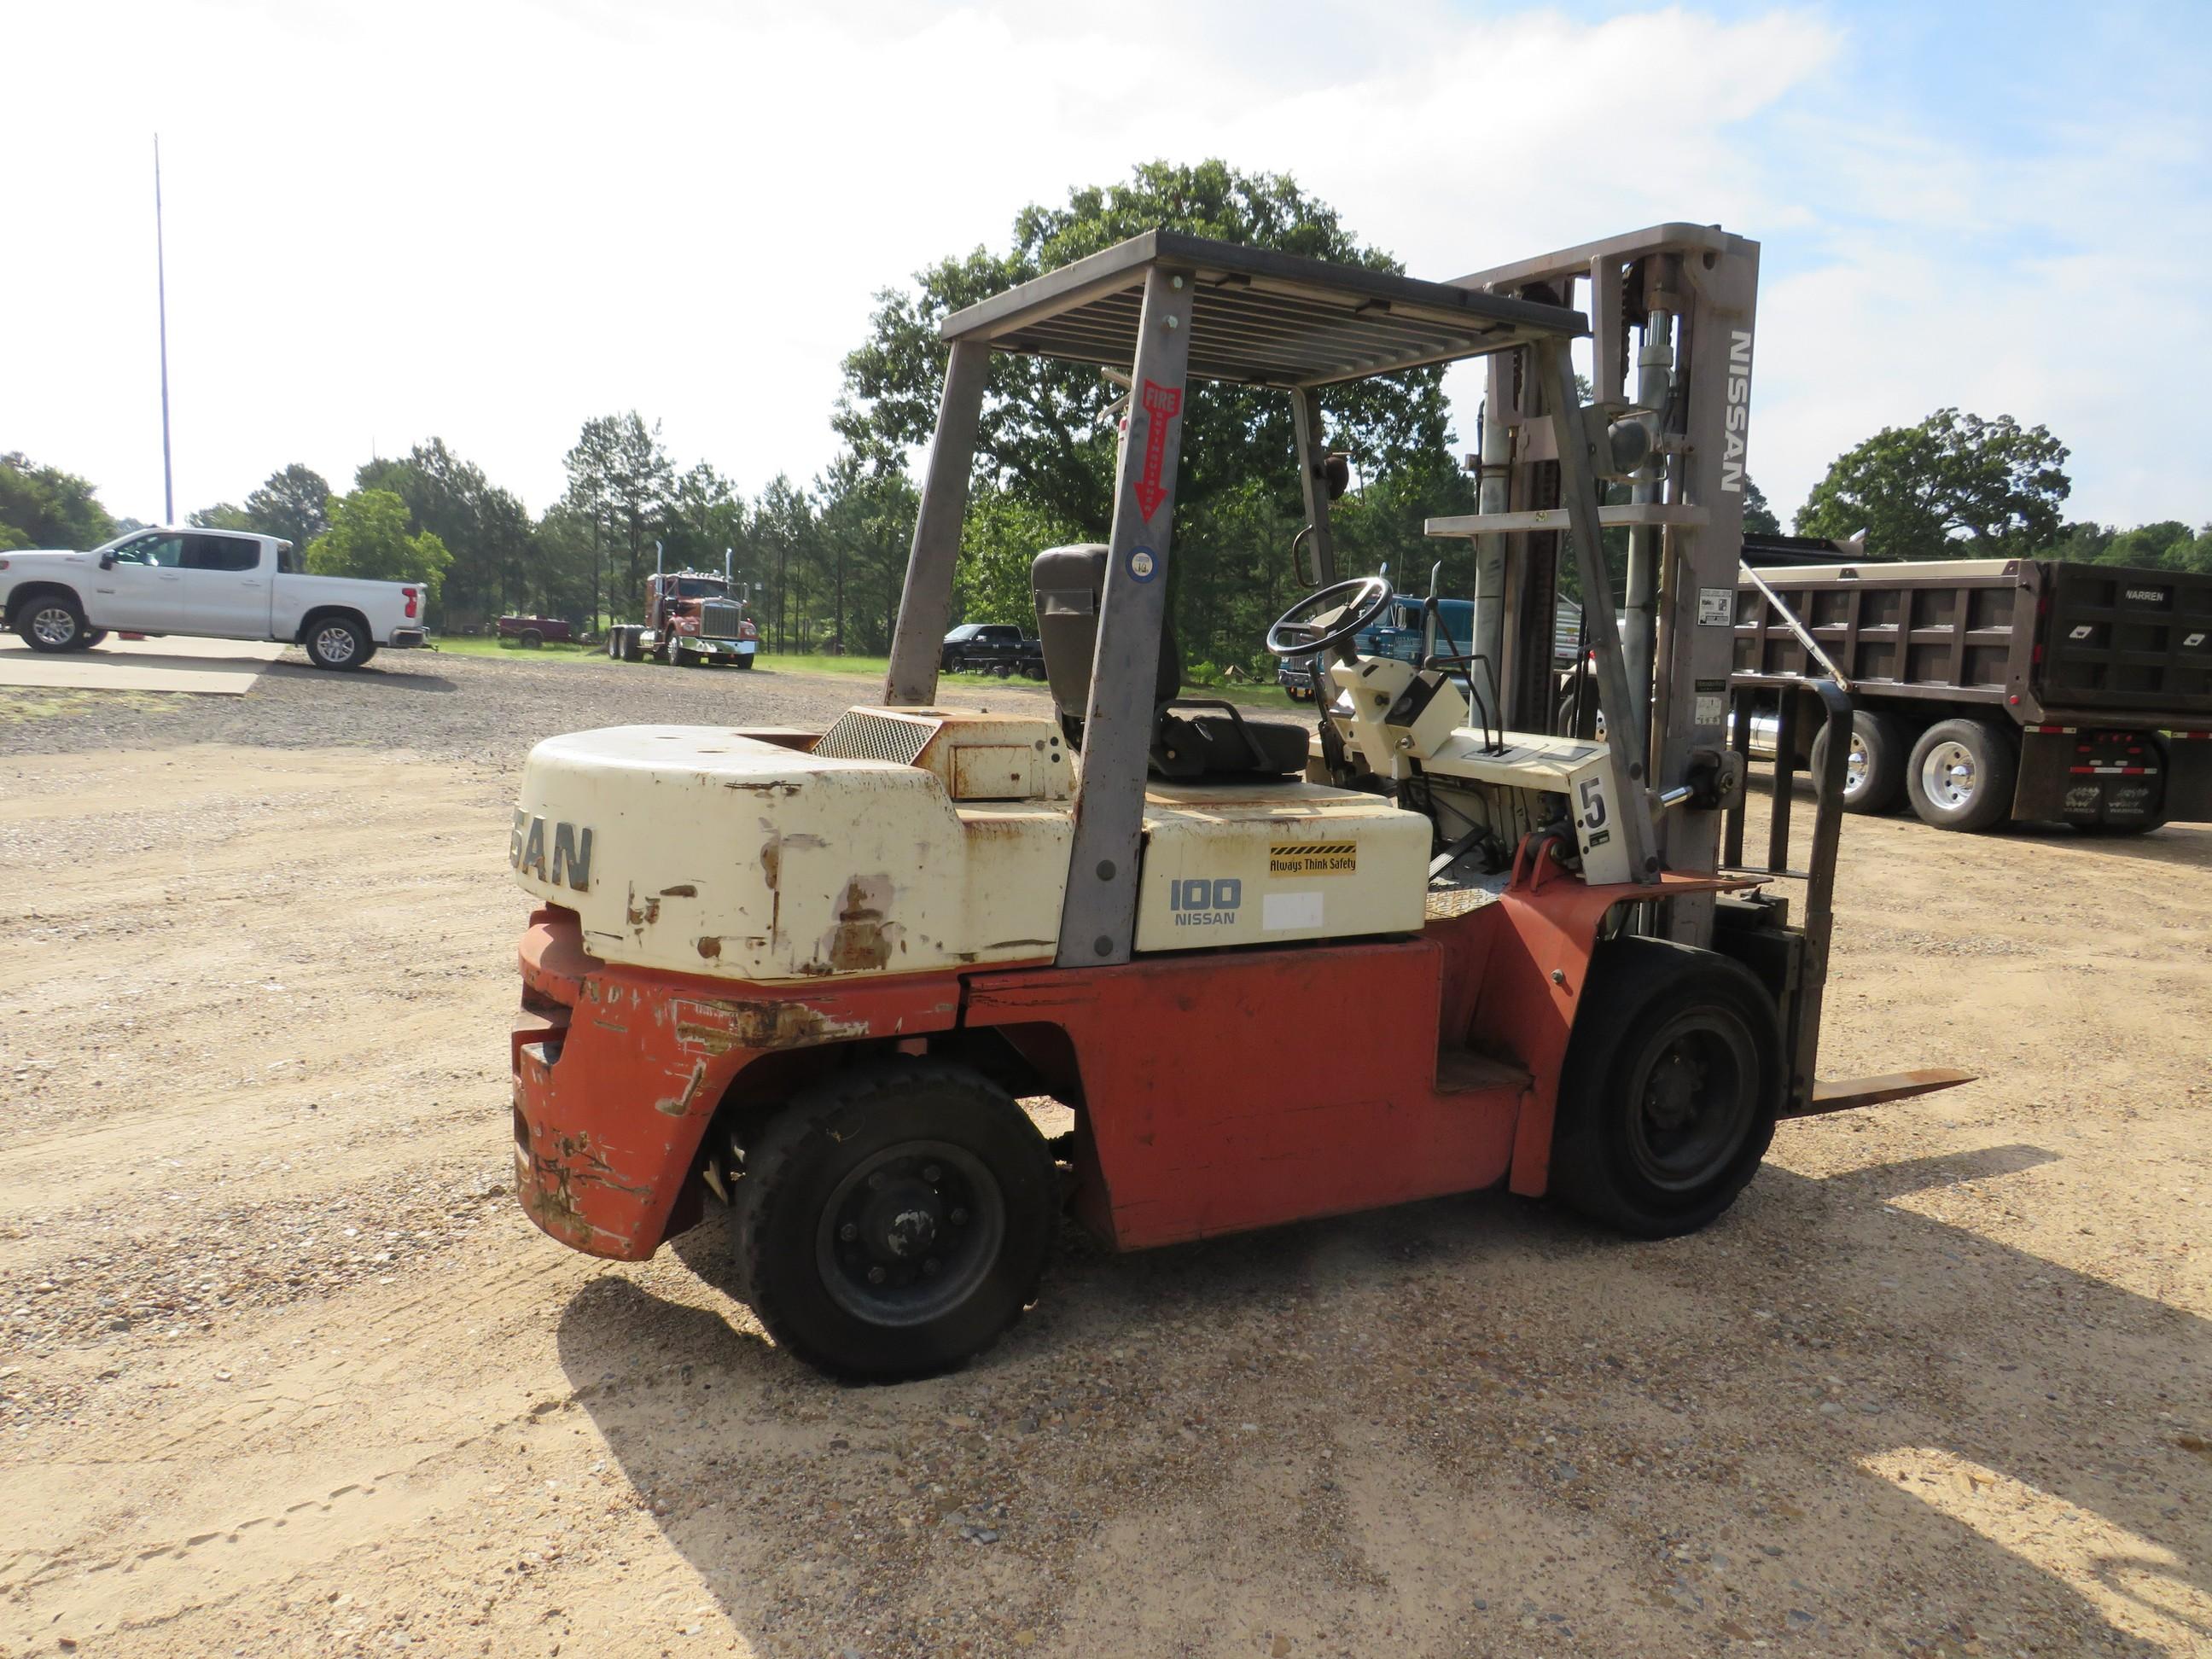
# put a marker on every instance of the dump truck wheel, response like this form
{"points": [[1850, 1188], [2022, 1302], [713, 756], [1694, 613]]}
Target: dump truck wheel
{"points": [[893, 1220], [1961, 776], [1672, 1082], [1874, 778]]}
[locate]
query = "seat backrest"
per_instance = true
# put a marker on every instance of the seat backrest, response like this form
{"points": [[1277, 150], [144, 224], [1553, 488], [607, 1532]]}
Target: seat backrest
{"points": [[1067, 583]]}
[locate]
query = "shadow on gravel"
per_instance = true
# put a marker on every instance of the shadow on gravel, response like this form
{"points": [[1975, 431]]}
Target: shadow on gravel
{"points": [[1399, 1366], [372, 679]]}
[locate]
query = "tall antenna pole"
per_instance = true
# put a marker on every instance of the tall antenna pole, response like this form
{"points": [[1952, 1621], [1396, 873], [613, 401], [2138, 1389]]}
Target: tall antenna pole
{"points": [[161, 297]]}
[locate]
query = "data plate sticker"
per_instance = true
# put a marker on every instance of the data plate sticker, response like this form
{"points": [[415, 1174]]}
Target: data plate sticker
{"points": [[1711, 711], [1284, 913], [1715, 607], [1313, 858]]}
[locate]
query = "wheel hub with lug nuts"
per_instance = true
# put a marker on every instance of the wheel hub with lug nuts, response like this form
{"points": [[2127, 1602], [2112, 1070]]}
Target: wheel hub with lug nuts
{"points": [[1947, 774], [910, 1233]]}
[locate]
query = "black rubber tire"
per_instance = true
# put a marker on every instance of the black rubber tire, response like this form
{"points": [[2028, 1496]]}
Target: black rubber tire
{"points": [[337, 644], [1645, 999], [93, 636], [1995, 769], [52, 622], [744, 662], [531, 639], [1883, 736], [793, 1169]]}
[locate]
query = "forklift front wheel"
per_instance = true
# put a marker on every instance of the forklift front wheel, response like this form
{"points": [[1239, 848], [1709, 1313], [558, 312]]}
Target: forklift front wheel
{"points": [[1672, 1082], [893, 1219]]}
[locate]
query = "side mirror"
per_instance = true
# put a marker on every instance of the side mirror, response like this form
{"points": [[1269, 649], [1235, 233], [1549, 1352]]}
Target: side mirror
{"points": [[107, 561], [1336, 474]]}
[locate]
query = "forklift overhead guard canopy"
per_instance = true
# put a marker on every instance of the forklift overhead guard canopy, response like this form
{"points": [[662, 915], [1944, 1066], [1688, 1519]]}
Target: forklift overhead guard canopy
{"points": [[1258, 318]]}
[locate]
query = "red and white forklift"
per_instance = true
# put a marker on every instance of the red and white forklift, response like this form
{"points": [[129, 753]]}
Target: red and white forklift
{"points": [[1425, 945]]}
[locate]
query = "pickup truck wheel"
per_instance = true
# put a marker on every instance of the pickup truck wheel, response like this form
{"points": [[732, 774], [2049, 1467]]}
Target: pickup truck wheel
{"points": [[336, 642], [93, 636], [893, 1220], [1874, 777], [1673, 1080], [52, 622], [1034, 671], [1961, 776]]}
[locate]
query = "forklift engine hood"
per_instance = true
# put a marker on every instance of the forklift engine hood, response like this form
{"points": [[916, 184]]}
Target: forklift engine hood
{"points": [[923, 840]]}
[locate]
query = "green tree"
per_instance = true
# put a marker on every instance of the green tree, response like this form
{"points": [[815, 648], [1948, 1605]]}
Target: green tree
{"points": [[1954, 484], [866, 520], [370, 537], [621, 477], [45, 506], [1048, 438], [486, 529], [288, 504], [1758, 518]]}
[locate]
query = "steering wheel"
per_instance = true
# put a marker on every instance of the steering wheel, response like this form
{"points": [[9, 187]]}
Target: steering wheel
{"points": [[1363, 598]]}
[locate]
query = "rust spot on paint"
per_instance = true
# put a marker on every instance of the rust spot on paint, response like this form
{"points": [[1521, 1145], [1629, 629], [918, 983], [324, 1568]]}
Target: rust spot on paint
{"points": [[862, 941], [709, 946], [777, 1022], [682, 890], [762, 786]]}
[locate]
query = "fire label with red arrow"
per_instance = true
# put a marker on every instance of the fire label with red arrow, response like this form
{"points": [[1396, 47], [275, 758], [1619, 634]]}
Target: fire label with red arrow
{"points": [[1162, 405]]}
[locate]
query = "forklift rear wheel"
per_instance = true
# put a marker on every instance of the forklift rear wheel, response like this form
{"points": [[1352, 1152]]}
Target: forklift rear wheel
{"points": [[893, 1220], [1961, 776], [1874, 776], [1672, 1085]]}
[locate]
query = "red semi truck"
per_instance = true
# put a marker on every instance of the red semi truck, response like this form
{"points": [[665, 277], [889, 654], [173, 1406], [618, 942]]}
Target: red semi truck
{"points": [[691, 617]]}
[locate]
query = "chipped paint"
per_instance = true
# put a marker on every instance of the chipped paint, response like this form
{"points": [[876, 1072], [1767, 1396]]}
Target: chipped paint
{"points": [[682, 890], [678, 1105], [864, 939]]}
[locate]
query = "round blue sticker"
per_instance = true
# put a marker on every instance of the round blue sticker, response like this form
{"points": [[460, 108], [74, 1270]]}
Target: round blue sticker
{"points": [[1143, 564]]}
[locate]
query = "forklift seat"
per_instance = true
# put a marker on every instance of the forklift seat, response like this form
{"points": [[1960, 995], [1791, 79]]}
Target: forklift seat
{"points": [[1191, 739]]}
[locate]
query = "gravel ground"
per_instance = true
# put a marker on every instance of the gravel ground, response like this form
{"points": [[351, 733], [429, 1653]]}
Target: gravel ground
{"points": [[283, 1369], [443, 706]]}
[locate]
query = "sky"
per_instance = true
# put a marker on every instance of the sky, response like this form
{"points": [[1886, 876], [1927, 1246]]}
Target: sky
{"points": [[491, 220]]}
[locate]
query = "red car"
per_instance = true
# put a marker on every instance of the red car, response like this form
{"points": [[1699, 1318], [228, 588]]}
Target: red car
{"points": [[534, 631]]}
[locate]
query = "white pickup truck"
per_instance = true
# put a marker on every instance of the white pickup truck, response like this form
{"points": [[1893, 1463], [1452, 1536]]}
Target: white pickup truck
{"points": [[213, 583]]}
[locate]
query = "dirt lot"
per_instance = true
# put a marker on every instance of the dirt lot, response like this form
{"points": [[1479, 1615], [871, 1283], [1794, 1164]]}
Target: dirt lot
{"points": [[285, 1370]]}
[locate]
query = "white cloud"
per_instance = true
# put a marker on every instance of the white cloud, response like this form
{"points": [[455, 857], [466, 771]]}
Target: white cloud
{"points": [[489, 221]]}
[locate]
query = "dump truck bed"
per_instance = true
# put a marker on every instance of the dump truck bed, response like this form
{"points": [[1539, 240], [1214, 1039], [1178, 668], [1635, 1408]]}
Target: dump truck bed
{"points": [[2045, 640]]}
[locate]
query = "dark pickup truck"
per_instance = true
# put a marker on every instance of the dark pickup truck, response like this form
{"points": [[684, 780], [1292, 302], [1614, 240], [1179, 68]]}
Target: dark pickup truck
{"points": [[1991, 689], [534, 631], [1000, 648]]}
